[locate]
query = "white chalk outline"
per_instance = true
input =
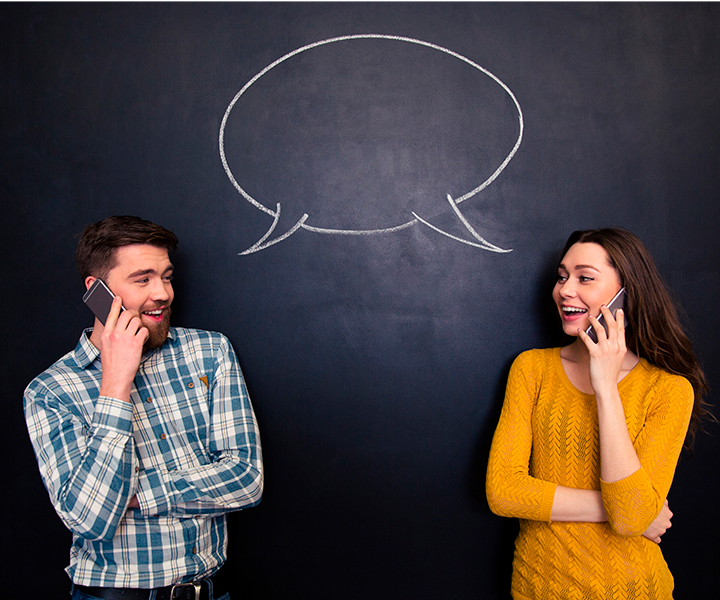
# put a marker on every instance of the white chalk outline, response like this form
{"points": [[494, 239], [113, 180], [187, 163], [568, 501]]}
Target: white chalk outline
{"points": [[484, 244], [260, 245]]}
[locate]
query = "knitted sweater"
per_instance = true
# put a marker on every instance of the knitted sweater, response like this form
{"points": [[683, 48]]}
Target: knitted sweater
{"points": [[548, 436]]}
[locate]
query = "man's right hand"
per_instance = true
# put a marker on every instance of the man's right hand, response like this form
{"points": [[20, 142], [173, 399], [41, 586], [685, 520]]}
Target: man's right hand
{"points": [[121, 349]]}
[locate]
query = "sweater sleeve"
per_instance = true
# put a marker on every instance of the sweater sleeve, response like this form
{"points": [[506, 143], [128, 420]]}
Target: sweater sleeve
{"points": [[633, 502], [511, 491]]}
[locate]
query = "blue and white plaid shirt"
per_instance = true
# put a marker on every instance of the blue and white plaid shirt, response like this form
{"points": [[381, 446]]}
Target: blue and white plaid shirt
{"points": [[187, 445]]}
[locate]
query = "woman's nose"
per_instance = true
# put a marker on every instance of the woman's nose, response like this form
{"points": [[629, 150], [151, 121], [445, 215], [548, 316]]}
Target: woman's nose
{"points": [[567, 290]]}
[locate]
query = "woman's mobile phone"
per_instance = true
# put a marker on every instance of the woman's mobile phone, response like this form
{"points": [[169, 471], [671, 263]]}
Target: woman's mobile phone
{"points": [[99, 299], [616, 303]]}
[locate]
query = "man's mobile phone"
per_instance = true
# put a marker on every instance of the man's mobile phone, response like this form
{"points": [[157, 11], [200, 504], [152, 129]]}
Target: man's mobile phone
{"points": [[616, 303], [99, 299]]}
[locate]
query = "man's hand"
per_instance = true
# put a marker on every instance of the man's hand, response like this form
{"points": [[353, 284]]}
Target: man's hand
{"points": [[121, 349], [660, 525]]}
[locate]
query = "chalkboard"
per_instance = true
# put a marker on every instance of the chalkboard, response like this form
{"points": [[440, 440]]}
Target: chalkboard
{"points": [[428, 161]]}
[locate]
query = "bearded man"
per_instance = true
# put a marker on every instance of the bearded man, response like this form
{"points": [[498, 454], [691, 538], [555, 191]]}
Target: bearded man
{"points": [[144, 434]]}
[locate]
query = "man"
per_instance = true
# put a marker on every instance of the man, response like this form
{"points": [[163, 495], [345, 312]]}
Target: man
{"points": [[144, 434]]}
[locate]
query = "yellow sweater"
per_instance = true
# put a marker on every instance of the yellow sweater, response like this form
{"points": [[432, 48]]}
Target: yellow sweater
{"points": [[548, 436]]}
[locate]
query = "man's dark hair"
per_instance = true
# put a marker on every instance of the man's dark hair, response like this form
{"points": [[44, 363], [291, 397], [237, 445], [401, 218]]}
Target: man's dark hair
{"points": [[96, 251]]}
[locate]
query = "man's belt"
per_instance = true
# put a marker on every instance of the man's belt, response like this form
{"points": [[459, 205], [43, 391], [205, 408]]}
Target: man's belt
{"points": [[197, 590]]}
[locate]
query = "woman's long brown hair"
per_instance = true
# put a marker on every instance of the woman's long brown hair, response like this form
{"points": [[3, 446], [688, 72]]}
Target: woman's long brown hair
{"points": [[654, 330]]}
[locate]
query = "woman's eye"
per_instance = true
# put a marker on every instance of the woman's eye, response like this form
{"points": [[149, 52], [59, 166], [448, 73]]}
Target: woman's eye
{"points": [[561, 278], [585, 279]]}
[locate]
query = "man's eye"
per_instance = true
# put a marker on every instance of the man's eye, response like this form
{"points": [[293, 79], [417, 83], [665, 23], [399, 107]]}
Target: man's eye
{"points": [[168, 278]]}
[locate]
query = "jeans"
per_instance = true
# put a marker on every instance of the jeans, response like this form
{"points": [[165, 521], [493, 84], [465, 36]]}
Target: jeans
{"points": [[78, 595]]}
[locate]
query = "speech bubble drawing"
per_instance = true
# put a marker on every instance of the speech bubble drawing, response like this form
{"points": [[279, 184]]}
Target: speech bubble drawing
{"points": [[307, 108]]}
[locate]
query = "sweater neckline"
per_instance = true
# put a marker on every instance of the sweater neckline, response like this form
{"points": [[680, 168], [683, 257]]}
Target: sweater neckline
{"points": [[624, 382]]}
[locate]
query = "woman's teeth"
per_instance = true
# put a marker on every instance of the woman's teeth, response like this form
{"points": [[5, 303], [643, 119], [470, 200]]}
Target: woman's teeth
{"points": [[572, 310]]}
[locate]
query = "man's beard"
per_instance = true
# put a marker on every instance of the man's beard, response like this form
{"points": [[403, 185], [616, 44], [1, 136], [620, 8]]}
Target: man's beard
{"points": [[158, 332]]}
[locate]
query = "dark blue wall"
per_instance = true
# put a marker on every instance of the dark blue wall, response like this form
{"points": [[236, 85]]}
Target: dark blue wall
{"points": [[376, 363]]}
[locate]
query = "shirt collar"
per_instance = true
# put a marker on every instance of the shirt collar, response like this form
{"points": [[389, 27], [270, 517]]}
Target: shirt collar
{"points": [[86, 353]]}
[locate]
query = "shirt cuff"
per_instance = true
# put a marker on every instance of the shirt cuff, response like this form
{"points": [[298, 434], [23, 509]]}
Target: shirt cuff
{"points": [[152, 493], [113, 414]]}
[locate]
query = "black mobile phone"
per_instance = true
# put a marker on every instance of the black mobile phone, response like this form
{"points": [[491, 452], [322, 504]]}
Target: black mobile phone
{"points": [[615, 304], [99, 299]]}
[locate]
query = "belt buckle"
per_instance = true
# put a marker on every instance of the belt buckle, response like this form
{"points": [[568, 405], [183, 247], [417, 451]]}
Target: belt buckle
{"points": [[196, 586]]}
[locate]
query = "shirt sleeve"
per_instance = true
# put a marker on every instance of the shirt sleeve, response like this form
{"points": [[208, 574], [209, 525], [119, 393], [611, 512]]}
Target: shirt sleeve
{"points": [[634, 502], [233, 479], [87, 464], [511, 491]]}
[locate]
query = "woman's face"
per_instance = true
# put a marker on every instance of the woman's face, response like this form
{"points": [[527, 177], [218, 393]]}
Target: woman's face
{"points": [[586, 280]]}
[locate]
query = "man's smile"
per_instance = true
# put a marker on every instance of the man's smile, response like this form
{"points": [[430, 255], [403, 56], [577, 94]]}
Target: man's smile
{"points": [[156, 315]]}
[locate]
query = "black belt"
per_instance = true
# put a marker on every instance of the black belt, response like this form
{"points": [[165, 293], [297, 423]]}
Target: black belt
{"points": [[198, 590]]}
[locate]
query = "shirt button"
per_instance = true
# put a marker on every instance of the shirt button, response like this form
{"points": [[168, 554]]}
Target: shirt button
{"points": [[162, 436], [191, 385], [137, 469], [149, 400], [194, 550]]}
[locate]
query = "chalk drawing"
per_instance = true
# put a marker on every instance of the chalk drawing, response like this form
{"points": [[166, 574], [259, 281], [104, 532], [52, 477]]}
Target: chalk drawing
{"points": [[303, 222]]}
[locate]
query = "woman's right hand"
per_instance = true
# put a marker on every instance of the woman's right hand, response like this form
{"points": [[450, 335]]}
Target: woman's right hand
{"points": [[660, 525]]}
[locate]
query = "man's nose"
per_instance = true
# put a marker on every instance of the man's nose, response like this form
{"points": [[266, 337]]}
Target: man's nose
{"points": [[159, 290]]}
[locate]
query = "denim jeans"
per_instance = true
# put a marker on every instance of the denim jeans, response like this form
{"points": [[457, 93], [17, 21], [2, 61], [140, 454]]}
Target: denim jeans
{"points": [[78, 595]]}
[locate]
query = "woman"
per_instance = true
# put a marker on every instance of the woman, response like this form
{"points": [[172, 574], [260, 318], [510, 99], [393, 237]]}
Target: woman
{"points": [[590, 434]]}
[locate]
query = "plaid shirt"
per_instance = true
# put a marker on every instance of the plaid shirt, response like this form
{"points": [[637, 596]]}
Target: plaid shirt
{"points": [[187, 445]]}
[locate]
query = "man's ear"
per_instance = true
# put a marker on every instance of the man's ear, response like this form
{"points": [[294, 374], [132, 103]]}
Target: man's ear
{"points": [[89, 280]]}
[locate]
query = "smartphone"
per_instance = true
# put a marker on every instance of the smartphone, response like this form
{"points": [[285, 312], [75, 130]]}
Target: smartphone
{"points": [[99, 299], [615, 304]]}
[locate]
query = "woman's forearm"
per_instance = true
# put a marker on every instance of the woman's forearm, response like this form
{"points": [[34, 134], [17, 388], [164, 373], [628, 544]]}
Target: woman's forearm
{"points": [[618, 458], [578, 506]]}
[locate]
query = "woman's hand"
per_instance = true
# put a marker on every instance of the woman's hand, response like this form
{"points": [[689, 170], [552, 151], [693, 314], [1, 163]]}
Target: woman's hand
{"points": [[660, 525], [607, 356]]}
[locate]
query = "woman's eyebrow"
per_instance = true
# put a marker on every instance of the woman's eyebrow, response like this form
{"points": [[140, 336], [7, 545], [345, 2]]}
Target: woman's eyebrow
{"points": [[579, 267]]}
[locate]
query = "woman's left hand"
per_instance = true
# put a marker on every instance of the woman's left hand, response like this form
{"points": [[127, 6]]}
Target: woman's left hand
{"points": [[660, 525], [607, 356]]}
